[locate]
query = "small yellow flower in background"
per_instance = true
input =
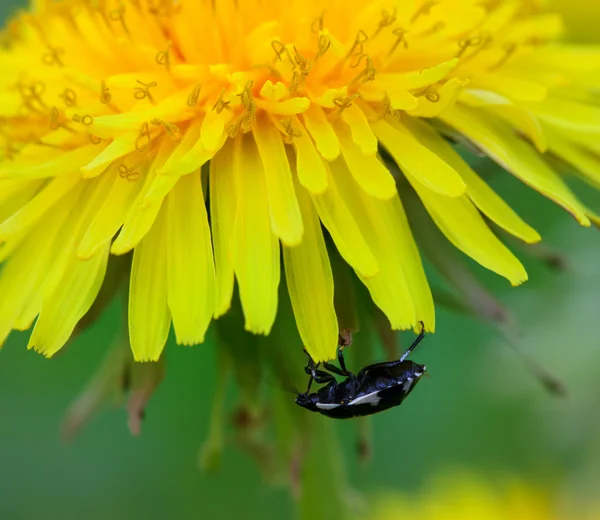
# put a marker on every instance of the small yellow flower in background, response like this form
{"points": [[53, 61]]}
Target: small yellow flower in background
{"points": [[210, 138], [468, 496]]}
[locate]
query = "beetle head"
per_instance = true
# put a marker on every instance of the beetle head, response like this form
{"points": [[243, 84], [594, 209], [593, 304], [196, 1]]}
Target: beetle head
{"points": [[307, 402]]}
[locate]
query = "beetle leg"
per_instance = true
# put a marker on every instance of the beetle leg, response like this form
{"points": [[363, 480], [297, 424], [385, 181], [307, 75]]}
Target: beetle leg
{"points": [[338, 371], [340, 356], [320, 376], [418, 340], [310, 380]]}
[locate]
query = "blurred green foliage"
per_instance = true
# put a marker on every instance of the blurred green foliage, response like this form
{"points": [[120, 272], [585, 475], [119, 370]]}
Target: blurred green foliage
{"points": [[480, 409]]}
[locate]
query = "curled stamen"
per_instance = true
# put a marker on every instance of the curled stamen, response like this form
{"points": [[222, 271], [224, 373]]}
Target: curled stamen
{"points": [[144, 139], [85, 120], [53, 57], [33, 94], [246, 96], [220, 104], [69, 96], [478, 43], [290, 131], [94, 140], [432, 96], [192, 100], [37, 89], [368, 73], [128, 173], [401, 34], [279, 49], [301, 62], [509, 49], [297, 78], [55, 122], [171, 129], [323, 46], [164, 57], [317, 24], [387, 109], [344, 103], [233, 130], [143, 92], [118, 15], [247, 119], [359, 44], [424, 10], [105, 95], [438, 26], [387, 19]]}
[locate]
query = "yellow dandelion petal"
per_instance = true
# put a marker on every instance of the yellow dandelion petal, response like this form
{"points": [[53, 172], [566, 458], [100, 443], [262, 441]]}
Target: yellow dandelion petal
{"points": [[417, 79], [516, 156], [310, 168], [478, 191], [586, 162], [394, 218], [120, 147], [213, 128], [255, 248], [282, 202], [223, 207], [15, 195], [462, 224], [368, 171], [321, 131], [524, 121], [190, 267], [360, 128], [310, 284], [122, 121], [514, 88], [142, 214], [71, 285], [32, 212], [570, 115], [345, 232], [149, 316], [110, 216], [174, 164], [418, 161], [389, 288], [66, 162], [21, 278], [62, 308], [435, 102]]}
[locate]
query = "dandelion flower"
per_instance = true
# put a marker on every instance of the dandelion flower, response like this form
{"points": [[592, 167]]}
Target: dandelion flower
{"points": [[470, 496], [211, 138]]}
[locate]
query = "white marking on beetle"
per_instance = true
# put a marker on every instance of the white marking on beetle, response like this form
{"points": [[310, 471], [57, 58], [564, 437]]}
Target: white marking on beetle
{"points": [[327, 406], [373, 399]]}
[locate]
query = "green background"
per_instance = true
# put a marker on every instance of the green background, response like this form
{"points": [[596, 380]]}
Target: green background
{"points": [[479, 410]]}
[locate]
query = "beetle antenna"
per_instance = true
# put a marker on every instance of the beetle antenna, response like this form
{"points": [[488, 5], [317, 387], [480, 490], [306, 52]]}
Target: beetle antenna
{"points": [[418, 340], [551, 383]]}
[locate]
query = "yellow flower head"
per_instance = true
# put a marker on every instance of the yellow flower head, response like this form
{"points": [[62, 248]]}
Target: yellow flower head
{"points": [[206, 136], [467, 496]]}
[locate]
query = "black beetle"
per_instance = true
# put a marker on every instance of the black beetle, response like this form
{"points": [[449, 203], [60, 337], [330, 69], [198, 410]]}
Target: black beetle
{"points": [[374, 389]]}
